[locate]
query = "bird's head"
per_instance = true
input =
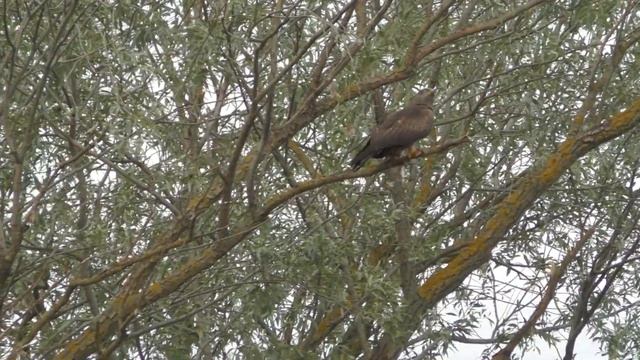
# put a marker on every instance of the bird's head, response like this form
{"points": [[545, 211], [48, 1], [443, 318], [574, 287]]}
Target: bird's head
{"points": [[424, 98]]}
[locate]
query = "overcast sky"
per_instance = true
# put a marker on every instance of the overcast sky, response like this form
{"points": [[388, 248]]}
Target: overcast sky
{"points": [[585, 350]]}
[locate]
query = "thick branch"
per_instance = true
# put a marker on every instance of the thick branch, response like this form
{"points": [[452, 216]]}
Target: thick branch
{"points": [[315, 183], [507, 212]]}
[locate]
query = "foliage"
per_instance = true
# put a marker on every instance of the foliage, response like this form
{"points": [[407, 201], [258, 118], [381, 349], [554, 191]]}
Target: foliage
{"points": [[173, 179]]}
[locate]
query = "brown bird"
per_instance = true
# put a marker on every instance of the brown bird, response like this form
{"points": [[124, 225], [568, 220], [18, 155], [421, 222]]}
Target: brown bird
{"points": [[399, 130]]}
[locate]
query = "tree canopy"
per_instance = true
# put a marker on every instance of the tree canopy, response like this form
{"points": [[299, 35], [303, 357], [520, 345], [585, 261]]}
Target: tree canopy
{"points": [[174, 179]]}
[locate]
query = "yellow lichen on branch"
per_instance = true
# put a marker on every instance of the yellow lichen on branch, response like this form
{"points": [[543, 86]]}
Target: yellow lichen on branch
{"points": [[523, 193], [328, 322], [425, 188]]}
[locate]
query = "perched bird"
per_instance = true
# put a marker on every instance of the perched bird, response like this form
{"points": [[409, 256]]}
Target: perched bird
{"points": [[399, 130]]}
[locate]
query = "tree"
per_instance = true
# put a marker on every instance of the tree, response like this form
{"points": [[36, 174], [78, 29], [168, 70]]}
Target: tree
{"points": [[175, 180]]}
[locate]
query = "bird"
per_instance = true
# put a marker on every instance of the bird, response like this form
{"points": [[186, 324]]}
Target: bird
{"points": [[399, 130]]}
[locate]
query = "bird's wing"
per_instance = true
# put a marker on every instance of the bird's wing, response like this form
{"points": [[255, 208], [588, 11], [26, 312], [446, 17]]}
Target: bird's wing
{"points": [[401, 129]]}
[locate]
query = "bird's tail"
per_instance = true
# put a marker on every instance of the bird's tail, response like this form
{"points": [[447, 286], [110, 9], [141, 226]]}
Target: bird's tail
{"points": [[360, 158]]}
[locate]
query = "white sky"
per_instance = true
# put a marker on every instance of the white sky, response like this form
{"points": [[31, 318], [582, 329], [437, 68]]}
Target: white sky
{"points": [[584, 350]]}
